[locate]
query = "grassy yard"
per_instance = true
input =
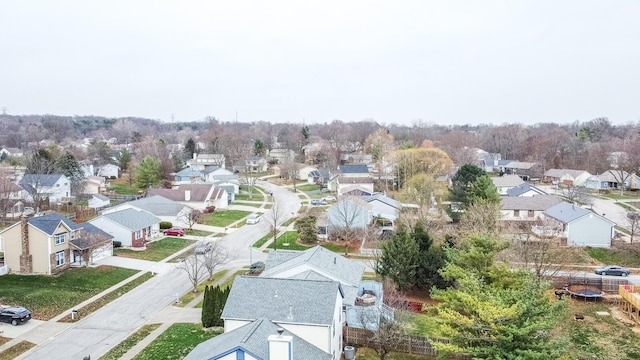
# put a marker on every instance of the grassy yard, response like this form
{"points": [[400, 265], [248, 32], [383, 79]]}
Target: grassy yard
{"points": [[157, 250], [190, 295], [621, 257], [245, 203], [227, 283], [48, 296], [291, 239], [263, 240], [308, 187], [176, 342], [244, 194], [126, 345], [223, 218], [195, 232], [121, 186], [15, 351]]}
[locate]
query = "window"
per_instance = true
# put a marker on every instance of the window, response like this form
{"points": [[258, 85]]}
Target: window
{"points": [[72, 235], [138, 234], [57, 185], [60, 258], [59, 238], [516, 213], [530, 213]]}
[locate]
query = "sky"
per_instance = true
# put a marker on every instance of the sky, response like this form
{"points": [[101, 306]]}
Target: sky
{"points": [[396, 62]]}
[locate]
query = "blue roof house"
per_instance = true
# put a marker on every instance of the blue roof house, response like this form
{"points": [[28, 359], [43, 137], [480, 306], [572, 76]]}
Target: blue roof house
{"points": [[580, 226]]}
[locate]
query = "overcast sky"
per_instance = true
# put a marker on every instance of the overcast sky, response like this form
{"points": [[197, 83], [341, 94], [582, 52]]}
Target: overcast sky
{"points": [[444, 62]]}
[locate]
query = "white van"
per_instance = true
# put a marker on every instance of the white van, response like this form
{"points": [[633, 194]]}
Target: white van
{"points": [[253, 219]]}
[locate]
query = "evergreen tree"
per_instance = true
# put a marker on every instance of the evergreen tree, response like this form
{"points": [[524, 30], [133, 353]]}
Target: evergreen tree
{"points": [[148, 172], [258, 148], [68, 166], [189, 148], [483, 190], [207, 311], [306, 228], [399, 260], [123, 159], [462, 180]]}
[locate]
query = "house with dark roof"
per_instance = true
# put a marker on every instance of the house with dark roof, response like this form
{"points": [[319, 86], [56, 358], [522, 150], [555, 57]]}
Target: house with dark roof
{"points": [[196, 196], [319, 176], [525, 190], [578, 226], [357, 170], [308, 309], [132, 228], [39, 187], [50, 244]]}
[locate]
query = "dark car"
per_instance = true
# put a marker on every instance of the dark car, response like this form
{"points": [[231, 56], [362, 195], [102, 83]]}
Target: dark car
{"points": [[613, 270], [174, 231], [15, 315], [256, 267]]}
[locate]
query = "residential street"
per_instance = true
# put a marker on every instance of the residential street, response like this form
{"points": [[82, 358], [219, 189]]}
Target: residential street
{"points": [[107, 327]]}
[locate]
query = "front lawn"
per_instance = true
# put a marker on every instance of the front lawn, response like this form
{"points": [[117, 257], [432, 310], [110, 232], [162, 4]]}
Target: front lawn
{"points": [[157, 250], [308, 187], [48, 296], [190, 295], [195, 232], [622, 257], [126, 345], [244, 194], [290, 238], [223, 218], [263, 240], [176, 342]]}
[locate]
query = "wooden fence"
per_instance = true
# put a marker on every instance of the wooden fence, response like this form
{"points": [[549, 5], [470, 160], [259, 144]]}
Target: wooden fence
{"points": [[606, 284], [407, 344]]}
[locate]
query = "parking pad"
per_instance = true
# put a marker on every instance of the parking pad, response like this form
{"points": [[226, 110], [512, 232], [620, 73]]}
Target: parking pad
{"points": [[12, 332]]}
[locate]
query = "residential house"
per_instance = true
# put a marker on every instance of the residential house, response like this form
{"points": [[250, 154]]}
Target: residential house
{"points": [[197, 196], [526, 170], [94, 185], [525, 190], [281, 156], [253, 164], [213, 174], [319, 176], [99, 201], [308, 309], [260, 339], [527, 208], [201, 161], [352, 171], [109, 171], [188, 176], [132, 228], [566, 177], [50, 244], [344, 184], [293, 170], [54, 187], [350, 212], [579, 226], [613, 179], [163, 208], [9, 151], [506, 182], [356, 190], [383, 206], [355, 159]]}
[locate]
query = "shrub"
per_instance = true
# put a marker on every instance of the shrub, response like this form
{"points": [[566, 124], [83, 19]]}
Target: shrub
{"points": [[166, 225], [209, 209]]}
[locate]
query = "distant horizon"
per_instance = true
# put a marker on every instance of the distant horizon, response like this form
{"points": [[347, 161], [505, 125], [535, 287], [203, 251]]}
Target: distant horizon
{"points": [[456, 62]]}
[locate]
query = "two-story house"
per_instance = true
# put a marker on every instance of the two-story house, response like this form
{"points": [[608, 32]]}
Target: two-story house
{"points": [[40, 187]]}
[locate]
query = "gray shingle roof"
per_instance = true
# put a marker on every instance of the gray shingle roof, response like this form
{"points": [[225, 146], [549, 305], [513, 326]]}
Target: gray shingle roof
{"points": [[521, 189], [507, 180], [189, 172], [566, 212], [537, 202], [252, 338], [40, 179], [132, 219], [558, 173], [354, 169], [49, 223], [158, 205], [282, 300], [384, 199]]}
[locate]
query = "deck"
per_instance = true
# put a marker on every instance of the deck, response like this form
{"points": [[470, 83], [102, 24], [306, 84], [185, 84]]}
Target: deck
{"points": [[630, 301]]}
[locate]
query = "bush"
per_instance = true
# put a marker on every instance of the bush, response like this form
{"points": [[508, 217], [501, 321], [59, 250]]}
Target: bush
{"points": [[165, 225], [117, 244], [209, 209]]}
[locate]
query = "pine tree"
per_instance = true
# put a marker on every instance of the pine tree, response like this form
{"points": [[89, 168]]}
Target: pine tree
{"points": [[207, 313]]}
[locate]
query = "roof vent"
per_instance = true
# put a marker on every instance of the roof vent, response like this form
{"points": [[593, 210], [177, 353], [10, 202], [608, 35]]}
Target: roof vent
{"points": [[280, 331]]}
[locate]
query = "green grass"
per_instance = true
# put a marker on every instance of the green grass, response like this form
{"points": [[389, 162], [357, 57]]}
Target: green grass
{"points": [[615, 195], [48, 296], [176, 342], [612, 256], [263, 240], [336, 248], [290, 238], [124, 188], [190, 295], [625, 206], [196, 232], [228, 282], [97, 304], [424, 325], [16, 350], [244, 203], [308, 187], [116, 352], [224, 218], [288, 222], [244, 194], [157, 250]]}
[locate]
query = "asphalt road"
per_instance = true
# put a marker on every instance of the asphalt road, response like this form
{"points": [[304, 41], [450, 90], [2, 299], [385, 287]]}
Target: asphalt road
{"points": [[107, 327]]}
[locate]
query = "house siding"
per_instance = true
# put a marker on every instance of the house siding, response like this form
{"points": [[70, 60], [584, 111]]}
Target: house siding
{"points": [[41, 248], [589, 230], [118, 232], [319, 336]]}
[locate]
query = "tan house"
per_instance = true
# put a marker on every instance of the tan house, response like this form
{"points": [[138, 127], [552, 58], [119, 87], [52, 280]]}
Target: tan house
{"points": [[50, 244]]}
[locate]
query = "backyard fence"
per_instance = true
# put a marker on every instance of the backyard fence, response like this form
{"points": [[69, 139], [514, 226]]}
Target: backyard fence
{"points": [[606, 284], [407, 344]]}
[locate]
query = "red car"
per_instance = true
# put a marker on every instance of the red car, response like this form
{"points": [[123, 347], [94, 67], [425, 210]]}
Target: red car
{"points": [[174, 231]]}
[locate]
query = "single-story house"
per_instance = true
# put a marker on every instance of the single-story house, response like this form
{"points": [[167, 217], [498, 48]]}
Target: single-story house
{"points": [[525, 190], [109, 171], [188, 175], [132, 228], [98, 201], [506, 182], [383, 206], [566, 177], [579, 226], [163, 208], [196, 196], [350, 212], [344, 184], [526, 208], [612, 179]]}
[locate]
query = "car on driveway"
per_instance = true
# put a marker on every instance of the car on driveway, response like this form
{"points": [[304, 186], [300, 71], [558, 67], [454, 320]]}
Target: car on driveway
{"points": [[318, 202], [175, 231], [15, 315], [613, 270]]}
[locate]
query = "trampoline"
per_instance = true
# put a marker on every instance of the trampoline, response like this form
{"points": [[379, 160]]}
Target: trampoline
{"points": [[586, 292]]}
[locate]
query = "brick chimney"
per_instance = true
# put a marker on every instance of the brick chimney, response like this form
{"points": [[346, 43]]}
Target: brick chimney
{"points": [[26, 259], [280, 346]]}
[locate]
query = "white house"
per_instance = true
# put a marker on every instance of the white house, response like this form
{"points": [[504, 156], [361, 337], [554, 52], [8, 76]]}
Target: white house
{"points": [[350, 212], [566, 177], [98, 201], [55, 187], [212, 174], [526, 208], [383, 206], [163, 208], [201, 161], [506, 182], [525, 190], [132, 228], [94, 185], [109, 171], [579, 226], [197, 196]]}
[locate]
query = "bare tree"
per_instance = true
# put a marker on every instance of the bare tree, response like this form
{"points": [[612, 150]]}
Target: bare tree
{"points": [[481, 217], [87, 244], [215, 257], [543, 254], [575, 194], [274, 218], [633, 221], [195, 268], [190, 217]]}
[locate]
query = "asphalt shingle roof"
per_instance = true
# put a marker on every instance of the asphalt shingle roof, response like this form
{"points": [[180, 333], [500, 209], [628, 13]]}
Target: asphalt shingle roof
{"points": [[282, 300], [252, 338], [40, 179], [384, 199], [521, 189], [537, 202], [49, 223], [507, 180], [566, 212], [132, 219], [354, 169]]}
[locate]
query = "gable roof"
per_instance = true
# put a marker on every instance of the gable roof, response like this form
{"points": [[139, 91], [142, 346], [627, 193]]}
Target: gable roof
{"points": [[567, 213], [191, 172], [198, 192], [343, 180], [132, 219], [507, 180], [558, 173], [614, 176], [383, 199], [282, 300], [523, 188], [158, 205], [49, 223], [536, 203], [40, 179], [520, 165], [83, 242], [354, 169], [252, 338]]}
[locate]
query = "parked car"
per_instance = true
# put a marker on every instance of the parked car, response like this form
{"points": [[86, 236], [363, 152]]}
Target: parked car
{"points": [[256, 268], [329, 198], [613, 270], [318, 202], [175, 231], [253, 219], [203, 247], [15, 315]]}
